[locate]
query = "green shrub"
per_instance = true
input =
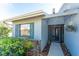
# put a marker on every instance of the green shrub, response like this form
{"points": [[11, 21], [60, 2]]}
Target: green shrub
{"points": [[4, 30], [13, 46], [28, 44]]}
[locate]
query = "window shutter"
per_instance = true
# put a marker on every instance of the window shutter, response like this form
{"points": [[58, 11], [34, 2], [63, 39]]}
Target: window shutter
{"points": [[17, 30], [32, 30]]}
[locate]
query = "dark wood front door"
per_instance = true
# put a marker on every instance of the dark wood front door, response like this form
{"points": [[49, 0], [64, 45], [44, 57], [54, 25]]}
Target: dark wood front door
{"points": [[56, 33]]}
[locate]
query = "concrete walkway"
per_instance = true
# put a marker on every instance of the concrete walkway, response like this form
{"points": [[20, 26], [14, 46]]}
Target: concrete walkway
{"points": [[55, 50]]}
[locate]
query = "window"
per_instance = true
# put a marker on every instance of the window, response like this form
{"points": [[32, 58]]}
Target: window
{"points": [[25, 29]]}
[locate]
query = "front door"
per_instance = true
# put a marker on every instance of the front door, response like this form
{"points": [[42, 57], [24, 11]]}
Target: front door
{"points": [[56, 33]]}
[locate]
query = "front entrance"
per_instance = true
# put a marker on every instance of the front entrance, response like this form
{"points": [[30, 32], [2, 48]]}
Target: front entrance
{"points": [[56, 33]]}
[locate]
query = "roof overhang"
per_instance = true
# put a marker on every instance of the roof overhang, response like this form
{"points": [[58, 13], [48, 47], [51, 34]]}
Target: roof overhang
{"points": [[28, 15], [60, 15]]}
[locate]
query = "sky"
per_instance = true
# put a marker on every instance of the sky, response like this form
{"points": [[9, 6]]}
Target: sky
{"points": [[8, 10]]}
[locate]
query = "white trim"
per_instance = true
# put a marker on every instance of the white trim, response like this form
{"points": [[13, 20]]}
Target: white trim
{"points": [[28, 15]]}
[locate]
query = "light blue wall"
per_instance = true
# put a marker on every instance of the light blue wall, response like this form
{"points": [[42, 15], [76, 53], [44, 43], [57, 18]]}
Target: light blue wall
{"points": [[71, 39], [56, 20], [44, 33], [37, 28], [45, 23]]}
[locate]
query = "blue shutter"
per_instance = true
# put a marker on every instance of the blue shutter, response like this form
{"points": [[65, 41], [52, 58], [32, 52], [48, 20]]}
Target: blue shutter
{"points": [[17, 30], [32, 30]]}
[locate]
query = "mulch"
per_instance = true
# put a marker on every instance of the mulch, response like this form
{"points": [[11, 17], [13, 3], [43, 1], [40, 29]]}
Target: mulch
{"points": [[37, 52], [46, 49], [65, 50]]}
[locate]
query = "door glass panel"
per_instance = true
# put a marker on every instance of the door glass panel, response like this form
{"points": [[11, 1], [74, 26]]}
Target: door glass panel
{"points": [[57, 34]]}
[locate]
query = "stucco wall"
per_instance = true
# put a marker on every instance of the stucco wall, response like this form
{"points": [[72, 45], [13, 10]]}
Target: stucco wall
{"points": [[37, 25], [45, 23], [44, 33], [71, 39], [56, 20]]}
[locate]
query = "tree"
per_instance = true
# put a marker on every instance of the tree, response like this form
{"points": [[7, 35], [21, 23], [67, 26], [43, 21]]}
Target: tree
{"points": [[4, 30]]}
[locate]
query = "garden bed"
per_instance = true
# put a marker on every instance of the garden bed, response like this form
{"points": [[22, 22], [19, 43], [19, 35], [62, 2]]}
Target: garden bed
{"points": [[65, 50], [10, 46], [36, 49]]}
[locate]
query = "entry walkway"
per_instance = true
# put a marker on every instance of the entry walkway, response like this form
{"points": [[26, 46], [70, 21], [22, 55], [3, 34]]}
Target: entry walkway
{"points": [[55, 50]]}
